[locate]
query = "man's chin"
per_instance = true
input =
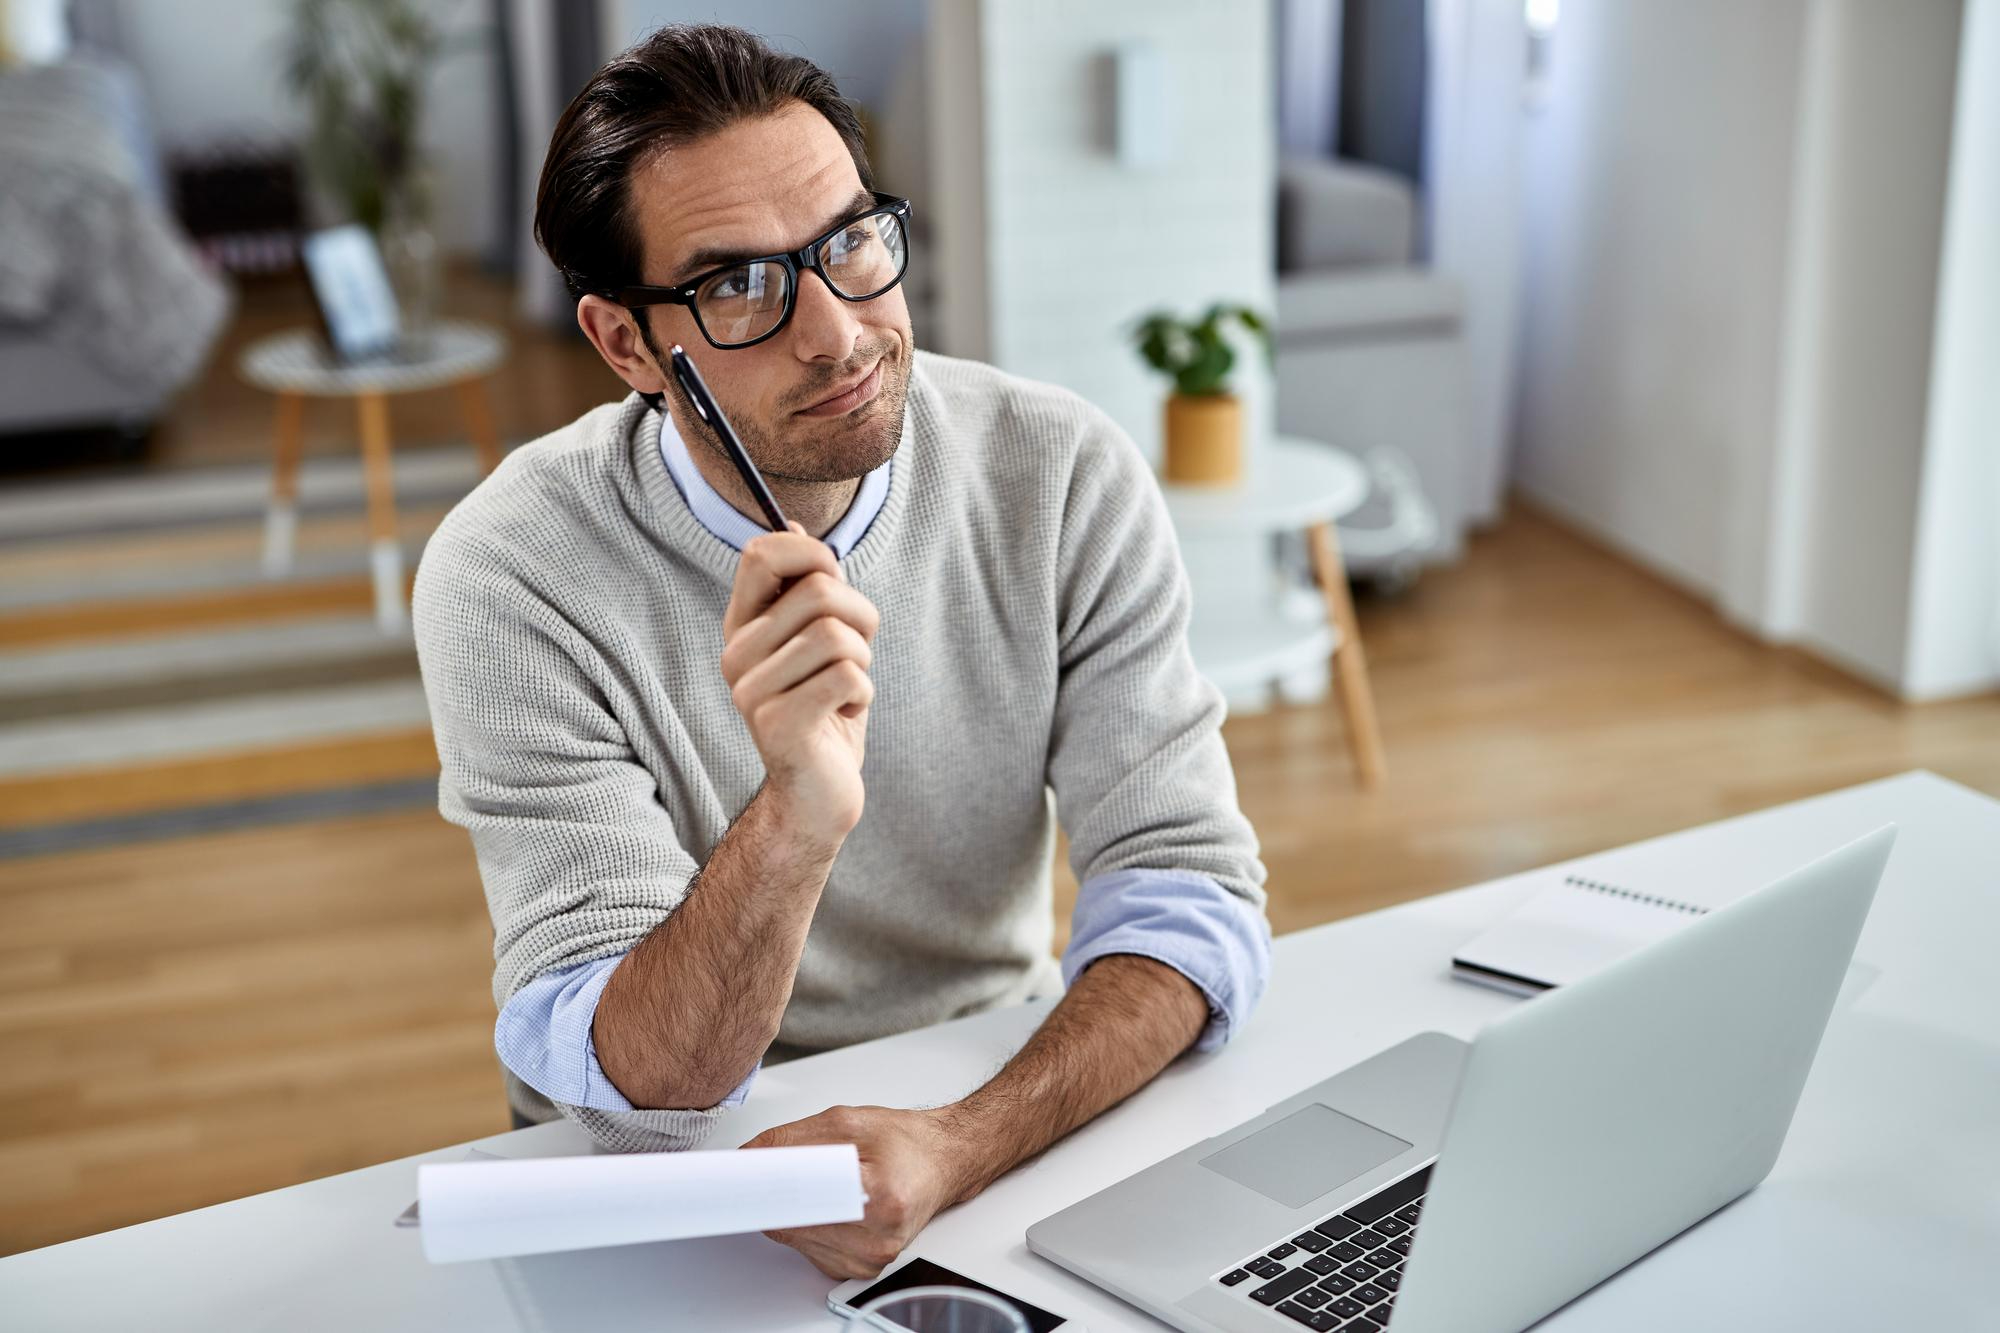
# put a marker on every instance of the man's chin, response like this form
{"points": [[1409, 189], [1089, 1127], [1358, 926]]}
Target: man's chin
{"points": [[849, 446], [829, 465]]}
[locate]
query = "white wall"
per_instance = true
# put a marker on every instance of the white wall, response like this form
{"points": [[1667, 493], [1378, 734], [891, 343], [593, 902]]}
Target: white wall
{"points": [[1076, 245], [1955, 614], [212, 70], [1657, 204], [958, 178], [1876, 124], [1478, 52], [1732, 284], [860, 42]]}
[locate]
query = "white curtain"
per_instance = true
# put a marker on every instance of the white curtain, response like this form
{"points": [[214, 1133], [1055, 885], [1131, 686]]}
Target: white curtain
{"points": [[556, 46], [1308, 61], [1477, 76]]}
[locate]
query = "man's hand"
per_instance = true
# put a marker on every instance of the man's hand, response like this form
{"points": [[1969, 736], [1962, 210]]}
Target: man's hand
{"points": [[1116, 1027], [796, 655], [908, 1171]]}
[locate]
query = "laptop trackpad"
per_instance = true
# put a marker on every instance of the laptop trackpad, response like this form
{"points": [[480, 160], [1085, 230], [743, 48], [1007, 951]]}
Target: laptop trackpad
{"points": [[1309, 1152]]}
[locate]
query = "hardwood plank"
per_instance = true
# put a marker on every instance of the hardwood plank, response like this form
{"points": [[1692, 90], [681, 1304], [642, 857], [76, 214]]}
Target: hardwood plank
{"points": [[234, 1011], [183, 611], [240, 540], [213, 779]]}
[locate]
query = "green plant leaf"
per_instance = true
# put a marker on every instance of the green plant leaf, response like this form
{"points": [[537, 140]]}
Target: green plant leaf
{"points": [[1210, 365], [1195, 353]]}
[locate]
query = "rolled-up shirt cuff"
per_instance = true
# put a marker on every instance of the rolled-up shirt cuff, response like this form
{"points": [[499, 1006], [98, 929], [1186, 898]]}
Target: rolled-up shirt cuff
{"points": [[544, 1034], [1218, 940]]}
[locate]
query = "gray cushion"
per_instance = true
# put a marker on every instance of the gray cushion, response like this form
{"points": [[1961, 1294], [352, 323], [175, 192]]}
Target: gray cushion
{"points": [[1334, 214], [1377, 303]]}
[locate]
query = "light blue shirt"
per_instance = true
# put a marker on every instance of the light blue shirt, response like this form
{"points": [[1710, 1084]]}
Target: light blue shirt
{"points": [[732, 526], [1180, 918]]}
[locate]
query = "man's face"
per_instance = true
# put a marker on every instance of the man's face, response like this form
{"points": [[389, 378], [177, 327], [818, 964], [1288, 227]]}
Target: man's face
{"points": [[763, 186]]}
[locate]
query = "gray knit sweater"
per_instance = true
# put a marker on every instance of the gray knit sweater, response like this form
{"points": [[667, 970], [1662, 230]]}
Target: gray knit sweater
{"points": [[1031, 665]]}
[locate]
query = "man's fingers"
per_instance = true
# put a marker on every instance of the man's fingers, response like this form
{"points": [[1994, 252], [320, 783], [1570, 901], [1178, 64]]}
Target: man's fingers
{"points": [[841, 686], [824, 641], [769, 563], [814, 597], [807, 1242], [846, 1250]]}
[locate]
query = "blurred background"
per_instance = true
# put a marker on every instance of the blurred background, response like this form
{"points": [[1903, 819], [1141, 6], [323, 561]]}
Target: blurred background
{"points": [[1647, 353]]}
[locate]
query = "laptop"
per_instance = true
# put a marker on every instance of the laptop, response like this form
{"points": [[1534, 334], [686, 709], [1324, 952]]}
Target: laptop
{"points": [[1447, 1187]]}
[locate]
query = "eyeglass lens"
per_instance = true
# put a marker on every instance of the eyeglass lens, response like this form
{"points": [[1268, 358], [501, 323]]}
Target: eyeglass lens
{"points": [[861, 260]]}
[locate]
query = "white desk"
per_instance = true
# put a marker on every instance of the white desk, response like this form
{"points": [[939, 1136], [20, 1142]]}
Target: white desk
{"points": [[1883, 1211]]}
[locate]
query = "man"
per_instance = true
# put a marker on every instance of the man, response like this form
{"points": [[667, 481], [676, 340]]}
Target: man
{"points": [[739, 796]]}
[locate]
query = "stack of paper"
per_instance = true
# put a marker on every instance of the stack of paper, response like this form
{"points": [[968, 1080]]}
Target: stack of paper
{"points": [[499, 1207]]}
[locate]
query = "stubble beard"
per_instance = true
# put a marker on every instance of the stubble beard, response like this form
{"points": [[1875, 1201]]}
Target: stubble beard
{"points": [[814, 450]]}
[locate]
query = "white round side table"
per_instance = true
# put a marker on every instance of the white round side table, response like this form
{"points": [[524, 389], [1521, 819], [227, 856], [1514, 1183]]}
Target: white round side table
{"points": [[1238, 640], [296, 365]]}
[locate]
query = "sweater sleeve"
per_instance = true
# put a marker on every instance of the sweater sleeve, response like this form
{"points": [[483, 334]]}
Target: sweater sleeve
{"points": [[579, 859], [1215, 939], [1141, 778]]}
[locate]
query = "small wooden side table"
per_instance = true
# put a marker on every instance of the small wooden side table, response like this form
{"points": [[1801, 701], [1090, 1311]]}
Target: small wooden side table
{"points": [[1239, 638], [296, 365]]}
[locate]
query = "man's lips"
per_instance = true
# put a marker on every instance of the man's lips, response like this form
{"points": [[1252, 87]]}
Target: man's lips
{"points": [[848, 398]]}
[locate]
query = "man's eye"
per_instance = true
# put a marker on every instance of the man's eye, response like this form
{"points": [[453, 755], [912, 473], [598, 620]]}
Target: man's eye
{"points": [[732, 284]]}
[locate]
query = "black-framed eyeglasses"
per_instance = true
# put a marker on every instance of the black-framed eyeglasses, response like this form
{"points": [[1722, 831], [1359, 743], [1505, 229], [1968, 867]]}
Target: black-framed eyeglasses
{"points": [[742, 303]]}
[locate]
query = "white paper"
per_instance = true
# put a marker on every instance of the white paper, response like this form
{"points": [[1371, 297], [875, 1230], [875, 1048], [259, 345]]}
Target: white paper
{"points": [[491, 1209]]}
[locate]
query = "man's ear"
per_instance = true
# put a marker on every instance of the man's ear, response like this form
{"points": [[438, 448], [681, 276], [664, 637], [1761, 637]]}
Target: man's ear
{"points": [[611, 330]]}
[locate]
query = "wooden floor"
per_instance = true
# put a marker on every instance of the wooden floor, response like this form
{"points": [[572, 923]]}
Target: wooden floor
{"points": [[187, 1021]]}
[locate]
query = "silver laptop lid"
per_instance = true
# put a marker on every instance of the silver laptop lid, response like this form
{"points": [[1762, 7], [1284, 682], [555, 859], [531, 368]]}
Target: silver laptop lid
{"points": [[1602, 1119]]}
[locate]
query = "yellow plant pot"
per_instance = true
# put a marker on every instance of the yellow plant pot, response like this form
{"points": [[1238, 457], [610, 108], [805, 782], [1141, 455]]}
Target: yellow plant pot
{"points": [[1204, 439]]}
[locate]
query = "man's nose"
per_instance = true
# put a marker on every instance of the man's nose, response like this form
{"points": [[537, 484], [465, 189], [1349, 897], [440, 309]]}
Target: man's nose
{"points": [[823, 325]]}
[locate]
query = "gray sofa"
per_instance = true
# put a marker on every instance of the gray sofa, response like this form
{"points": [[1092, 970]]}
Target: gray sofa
{"points": [[105, 308]]}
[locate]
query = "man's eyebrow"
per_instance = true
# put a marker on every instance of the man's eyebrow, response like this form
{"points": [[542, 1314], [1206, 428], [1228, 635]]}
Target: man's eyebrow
{"points": [[714, 256]]}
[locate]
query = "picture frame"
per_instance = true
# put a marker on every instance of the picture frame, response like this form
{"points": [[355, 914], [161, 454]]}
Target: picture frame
{"points": [[350, 286]]}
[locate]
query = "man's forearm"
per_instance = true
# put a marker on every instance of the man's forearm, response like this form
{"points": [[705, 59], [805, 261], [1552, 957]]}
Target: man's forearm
{"points": [[691, 1009], [1123, 1021]]}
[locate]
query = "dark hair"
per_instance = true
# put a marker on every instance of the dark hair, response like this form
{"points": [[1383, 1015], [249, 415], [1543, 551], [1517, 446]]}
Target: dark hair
{"points": [[682, 82]]}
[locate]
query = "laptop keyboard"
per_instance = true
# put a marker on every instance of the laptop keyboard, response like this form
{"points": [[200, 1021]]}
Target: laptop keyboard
{"points": [[1342, 1273]]}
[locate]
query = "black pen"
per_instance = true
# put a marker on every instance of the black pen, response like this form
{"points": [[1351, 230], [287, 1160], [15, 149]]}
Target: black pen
{"points": [[705, 407]]}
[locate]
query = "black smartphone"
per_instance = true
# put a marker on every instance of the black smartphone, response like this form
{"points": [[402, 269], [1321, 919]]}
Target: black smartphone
{"points": [[849, 1297]]}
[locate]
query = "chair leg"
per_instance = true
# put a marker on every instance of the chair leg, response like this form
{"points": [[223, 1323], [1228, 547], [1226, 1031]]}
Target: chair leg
{"points": [[1350, 663], [385, 554], [281, 519], [479, 422]]}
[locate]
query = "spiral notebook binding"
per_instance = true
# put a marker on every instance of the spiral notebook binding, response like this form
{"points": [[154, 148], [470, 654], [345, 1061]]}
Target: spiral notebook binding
{"points": [[1633, 895]]}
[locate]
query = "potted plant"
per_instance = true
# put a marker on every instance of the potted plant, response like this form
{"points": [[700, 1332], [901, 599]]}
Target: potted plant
{"points": [[1204, 420], [362, 68]]}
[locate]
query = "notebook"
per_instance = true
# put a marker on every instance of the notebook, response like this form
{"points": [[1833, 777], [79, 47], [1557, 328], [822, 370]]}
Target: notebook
{"points": [[1566, 932]]}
